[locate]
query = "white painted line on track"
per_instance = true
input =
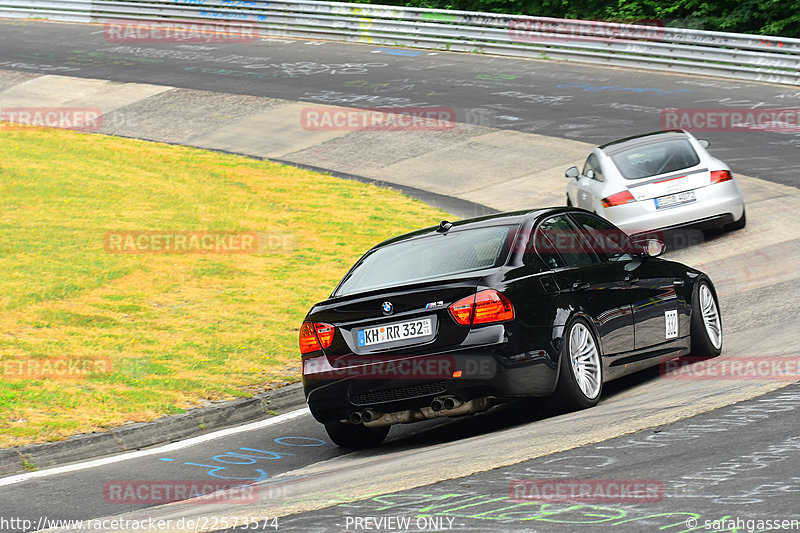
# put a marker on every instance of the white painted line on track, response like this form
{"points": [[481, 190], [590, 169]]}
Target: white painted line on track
{"points": [[11, 480]]}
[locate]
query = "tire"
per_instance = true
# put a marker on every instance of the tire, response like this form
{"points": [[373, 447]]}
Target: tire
{"points": [[355, 437], [706, 325], [739, 224], [580, 380]]}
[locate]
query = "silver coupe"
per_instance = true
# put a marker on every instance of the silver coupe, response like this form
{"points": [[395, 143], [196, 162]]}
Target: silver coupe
{"points": [[658, 181]]}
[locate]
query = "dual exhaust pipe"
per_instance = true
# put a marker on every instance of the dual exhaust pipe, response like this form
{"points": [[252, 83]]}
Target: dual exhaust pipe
{"points": [[440, 406], [445, 403], [368, 415]]}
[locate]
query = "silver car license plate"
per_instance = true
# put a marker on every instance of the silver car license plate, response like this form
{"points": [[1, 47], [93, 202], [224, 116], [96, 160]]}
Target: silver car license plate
{"points": [[671, 200]]}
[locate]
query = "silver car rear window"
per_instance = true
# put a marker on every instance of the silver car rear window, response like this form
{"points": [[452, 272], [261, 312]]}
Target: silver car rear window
{"points": [[430, 257], [654, 159]]}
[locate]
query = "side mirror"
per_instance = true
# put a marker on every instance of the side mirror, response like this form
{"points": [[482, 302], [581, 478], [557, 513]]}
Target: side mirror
{"points": [[704, 143], [648, 246], [654, 247], [572, 172]]}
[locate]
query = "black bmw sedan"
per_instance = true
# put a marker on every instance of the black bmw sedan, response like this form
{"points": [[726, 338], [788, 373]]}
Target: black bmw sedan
{"points": [[450, 320]]}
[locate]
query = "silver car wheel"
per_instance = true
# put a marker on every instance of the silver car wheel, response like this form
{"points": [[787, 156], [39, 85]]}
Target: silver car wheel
{"points": [[584, 360], [708, 308]]}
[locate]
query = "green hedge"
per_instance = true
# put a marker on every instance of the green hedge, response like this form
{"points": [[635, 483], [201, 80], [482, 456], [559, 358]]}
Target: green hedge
{"points": [[764, 17]]}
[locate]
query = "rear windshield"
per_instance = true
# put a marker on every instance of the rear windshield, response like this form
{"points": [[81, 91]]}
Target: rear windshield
{"points": [[655, 159], [433, 256]]}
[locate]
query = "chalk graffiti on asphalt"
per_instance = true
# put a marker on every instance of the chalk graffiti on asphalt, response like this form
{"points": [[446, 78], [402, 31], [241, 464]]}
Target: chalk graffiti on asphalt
{"points": [[250, 456]]}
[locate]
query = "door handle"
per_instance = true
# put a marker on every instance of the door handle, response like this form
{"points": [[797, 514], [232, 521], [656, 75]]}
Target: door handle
{"points": [[677, 282], [580, 286], [630, 278]]}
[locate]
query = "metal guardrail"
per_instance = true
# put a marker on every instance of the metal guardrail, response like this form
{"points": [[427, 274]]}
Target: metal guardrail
{"points": [[647, 46]]}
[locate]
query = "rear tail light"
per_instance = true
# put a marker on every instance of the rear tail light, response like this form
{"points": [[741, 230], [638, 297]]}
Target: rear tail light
{"points": [[491, 306], [718, 176], [482, 308], [621, 198], [462, 310], [315, 336]]}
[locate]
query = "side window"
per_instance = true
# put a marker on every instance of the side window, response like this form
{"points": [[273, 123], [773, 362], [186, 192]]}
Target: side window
{"points": [[607, 240], [561, 244], [593, 164], [530, 257], [546, 250], [537, 263]]}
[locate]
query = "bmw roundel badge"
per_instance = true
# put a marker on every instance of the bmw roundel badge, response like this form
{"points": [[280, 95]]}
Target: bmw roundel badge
{"points": [[387, 308]]}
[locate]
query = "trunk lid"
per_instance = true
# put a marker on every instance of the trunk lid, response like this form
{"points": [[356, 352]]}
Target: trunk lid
{"points": [[669, 184], [418, 322]]}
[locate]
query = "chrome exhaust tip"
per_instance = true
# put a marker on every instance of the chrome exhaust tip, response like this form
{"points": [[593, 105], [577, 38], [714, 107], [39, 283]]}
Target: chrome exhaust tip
{"points": [[370, 415], [452, 403], [445, 403]]}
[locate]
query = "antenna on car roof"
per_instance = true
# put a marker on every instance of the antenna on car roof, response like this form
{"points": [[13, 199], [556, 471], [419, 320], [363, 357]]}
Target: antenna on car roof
{"points": [[444, 226]]}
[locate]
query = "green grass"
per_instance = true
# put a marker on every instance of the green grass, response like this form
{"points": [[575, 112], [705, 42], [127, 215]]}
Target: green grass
{"points": [[175, 329]]}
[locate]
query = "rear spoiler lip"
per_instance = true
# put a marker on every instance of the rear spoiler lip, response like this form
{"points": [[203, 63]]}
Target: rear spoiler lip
{"points": [[667, 178]]}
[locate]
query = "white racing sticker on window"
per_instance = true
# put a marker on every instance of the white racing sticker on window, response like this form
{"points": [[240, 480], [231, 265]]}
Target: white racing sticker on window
{"points": [[671, 319]]}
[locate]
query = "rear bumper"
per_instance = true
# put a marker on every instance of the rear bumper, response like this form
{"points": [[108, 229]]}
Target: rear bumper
{"points": [[710, 223], [488, 371], [716, 206]]}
